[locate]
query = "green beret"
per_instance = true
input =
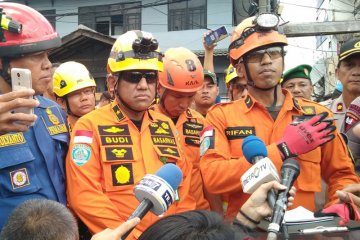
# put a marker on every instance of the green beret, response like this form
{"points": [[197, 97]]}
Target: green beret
{"points": [[210, 75], [301, 71]]}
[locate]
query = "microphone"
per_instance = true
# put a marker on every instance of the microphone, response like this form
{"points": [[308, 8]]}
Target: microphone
{"points": [[290, 170], [156, 192], [263, 169]]}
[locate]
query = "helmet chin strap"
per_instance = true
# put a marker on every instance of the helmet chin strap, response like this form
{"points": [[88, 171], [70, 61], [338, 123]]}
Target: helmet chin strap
{"points": [[69, 112], [251, 83], [162, 103], [121, 100], [4, 71]]}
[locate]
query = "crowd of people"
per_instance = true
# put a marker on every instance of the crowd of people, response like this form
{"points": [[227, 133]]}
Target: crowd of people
{"points": [[73, 165]]}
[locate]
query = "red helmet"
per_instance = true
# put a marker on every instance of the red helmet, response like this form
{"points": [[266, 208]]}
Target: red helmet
{"points": [[33, 33]]}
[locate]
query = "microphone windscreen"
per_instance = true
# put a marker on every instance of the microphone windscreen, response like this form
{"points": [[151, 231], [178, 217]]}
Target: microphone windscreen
{"points": [[171, 174], [252, 146]]}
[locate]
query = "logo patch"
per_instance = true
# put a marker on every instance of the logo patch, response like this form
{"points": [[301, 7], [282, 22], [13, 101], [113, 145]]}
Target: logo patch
{"points": [[81, 154], [160, 128], [309, 110], [19, 178], [122, 174], [12, 139], [169, 151], [207, 139], [52, 117], [119, 153], [239, 132], [350, 121], [116, 140], [55, 123], [119, 115], [249, 102], [340, 107], [118, 130]]}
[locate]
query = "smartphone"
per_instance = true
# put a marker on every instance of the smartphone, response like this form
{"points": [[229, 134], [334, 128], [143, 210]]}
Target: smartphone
{"points": [[216, 35], [21, 79]]}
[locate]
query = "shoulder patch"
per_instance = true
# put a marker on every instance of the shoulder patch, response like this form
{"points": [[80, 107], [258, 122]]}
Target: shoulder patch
{"points": [[248, 101], [80, 154], [309, 110], [207, 139]]}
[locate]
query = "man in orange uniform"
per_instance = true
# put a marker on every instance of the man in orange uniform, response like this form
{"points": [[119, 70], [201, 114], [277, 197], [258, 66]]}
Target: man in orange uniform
{"points": [[267, 112], [182, 78], [112, 148]]}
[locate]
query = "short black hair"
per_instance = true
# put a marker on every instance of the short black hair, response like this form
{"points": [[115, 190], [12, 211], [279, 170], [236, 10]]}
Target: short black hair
{"points": [[191, 225], [40, 219]]}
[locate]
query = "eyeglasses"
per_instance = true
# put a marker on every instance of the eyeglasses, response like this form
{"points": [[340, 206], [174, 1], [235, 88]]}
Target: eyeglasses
{"points": [[135, 77], [257, 56], [86, 91]]}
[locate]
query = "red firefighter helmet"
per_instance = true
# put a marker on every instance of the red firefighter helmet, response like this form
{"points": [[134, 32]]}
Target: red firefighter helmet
{"points": [[24, 30]]}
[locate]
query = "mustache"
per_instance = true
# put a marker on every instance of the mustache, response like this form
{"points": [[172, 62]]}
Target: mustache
{"points": [[268, 69]]}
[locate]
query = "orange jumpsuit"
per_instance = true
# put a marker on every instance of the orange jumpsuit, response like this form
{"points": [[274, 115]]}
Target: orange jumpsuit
{"points": [[189, 125], [223, 163], [103, 169]]}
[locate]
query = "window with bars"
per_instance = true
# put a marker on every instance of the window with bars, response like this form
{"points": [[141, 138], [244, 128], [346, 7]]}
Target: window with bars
{"points": [[185, 15], [113, 19]]}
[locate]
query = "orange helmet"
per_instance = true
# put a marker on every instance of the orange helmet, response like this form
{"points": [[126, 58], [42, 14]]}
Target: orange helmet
{"points": [[247, 36], [24, 31], [183, 71]]}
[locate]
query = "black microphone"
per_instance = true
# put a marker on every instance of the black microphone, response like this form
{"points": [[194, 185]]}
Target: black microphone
{"points": [[290, 170], [262, 171], [156, 192]]}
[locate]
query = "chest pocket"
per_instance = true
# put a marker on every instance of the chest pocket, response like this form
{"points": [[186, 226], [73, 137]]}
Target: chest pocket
{"points": [[118, 168], [17, 172], [310, 174]]}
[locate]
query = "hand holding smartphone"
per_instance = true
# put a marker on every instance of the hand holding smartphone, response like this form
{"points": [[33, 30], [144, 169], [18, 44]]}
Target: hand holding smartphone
{"points": [[215, 36], [21, 79]]}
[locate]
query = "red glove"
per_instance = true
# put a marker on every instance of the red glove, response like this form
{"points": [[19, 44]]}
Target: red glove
{"points": [[306, 136]]}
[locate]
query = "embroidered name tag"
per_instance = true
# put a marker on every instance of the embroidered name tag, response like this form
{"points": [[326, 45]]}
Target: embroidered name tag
{"points": [[12, 139], [239, 132]]}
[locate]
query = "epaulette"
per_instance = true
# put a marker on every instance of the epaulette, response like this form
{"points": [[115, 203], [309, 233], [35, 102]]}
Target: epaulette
{"points": [[219, 105]]}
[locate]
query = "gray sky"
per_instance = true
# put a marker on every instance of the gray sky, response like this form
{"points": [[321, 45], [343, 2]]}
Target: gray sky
{"points": [[301, 50]]}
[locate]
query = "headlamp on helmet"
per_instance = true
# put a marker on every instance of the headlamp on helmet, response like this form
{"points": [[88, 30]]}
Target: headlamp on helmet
{"points": [[267, 21], [8, 24], [263, 23], [135, 50]]}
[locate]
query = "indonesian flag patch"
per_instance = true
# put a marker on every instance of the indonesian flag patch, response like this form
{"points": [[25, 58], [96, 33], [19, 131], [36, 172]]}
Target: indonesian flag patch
{"points": [[206, 139], [83, 136]]}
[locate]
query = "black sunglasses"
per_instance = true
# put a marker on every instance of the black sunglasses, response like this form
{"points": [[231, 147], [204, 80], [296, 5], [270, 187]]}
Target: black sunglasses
{"points": [[135, 77]]}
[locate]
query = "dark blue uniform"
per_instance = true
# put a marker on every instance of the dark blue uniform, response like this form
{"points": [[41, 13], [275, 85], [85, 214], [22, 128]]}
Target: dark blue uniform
{"points": [[32, 163]]}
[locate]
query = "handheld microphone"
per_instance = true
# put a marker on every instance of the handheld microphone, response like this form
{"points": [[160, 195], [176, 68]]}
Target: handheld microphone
{"points": [[263, 169], [290, 170], [156, 192]]}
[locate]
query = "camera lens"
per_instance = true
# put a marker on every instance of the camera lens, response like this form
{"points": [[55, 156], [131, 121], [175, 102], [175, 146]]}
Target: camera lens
{"points": [[18, 74]]}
